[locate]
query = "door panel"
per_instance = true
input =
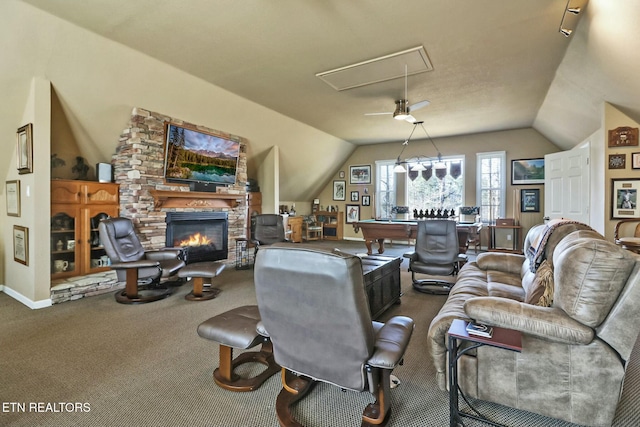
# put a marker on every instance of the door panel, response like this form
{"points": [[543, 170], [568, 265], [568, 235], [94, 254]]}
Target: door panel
{"points": [[567, 192]]}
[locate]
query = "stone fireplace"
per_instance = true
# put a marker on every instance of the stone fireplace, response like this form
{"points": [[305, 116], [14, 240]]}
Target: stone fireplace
{"points": [[148, 200]]}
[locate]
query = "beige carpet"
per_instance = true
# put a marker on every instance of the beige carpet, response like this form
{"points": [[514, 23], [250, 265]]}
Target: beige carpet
{"points": [[146, 366]]}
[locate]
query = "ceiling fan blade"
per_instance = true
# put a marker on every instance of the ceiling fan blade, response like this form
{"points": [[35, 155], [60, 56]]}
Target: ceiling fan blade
{"points": [[377, 114], [419, 105]]}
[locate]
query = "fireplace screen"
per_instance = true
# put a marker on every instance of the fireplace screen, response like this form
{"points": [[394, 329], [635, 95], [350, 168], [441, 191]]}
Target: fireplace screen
{"points": [[203, 235]]}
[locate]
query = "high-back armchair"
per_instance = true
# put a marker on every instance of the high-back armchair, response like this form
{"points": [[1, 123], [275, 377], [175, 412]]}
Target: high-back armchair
{"points": [[141, 270], [268, 229], [437, 253], [314, 308]]}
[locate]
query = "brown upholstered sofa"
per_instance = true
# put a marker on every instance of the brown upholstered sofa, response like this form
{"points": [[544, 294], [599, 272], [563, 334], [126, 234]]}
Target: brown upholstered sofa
{"points": [[574, 352]]}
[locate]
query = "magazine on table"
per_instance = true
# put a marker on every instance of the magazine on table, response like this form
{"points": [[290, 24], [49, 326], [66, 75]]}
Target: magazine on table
{"points": [[479, 329]]}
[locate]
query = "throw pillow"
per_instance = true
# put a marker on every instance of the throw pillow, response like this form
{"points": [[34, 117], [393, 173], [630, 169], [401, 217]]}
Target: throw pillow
{"points": [[545, 276], [541, 292]]}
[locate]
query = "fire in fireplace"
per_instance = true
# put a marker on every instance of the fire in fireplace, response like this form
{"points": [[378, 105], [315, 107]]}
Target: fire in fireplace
{"points": [[203, 235]]}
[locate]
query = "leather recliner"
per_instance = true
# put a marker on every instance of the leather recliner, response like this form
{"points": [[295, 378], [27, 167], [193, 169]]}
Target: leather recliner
{"points": [[133, 264], [315, 310], [437, 253]]}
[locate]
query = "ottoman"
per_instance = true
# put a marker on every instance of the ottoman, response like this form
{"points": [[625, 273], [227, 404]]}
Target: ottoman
{"points": [[237, 329], [199, 271]]}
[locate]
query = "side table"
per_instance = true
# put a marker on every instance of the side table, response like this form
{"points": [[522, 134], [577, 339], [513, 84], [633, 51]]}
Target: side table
{"points": [[507, 339]]}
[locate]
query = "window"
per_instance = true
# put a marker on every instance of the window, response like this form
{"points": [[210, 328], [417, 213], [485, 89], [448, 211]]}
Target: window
{"points": [[491, 185], [436, 188], [386, 188]]}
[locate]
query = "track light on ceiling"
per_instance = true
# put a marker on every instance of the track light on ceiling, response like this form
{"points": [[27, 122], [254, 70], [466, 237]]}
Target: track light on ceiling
{"points": [[419, 163], [572, 10], [566, 32]]}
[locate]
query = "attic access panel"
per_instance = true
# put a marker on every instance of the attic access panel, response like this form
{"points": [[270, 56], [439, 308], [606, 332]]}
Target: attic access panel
{"points": [[378, 70]]}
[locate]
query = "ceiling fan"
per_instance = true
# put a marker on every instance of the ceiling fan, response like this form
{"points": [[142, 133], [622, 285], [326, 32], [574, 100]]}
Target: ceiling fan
{"points": [[403, 109]]}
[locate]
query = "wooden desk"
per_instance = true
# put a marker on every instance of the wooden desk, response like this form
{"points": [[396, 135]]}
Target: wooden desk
{"points": [[378, 230]]}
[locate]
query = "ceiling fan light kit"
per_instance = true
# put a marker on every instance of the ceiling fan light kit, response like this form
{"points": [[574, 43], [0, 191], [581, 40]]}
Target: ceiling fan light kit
{"points": [[403, 109]]}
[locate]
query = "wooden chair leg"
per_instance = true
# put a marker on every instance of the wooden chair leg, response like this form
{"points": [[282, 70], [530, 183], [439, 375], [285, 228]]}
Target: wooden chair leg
{"points": [[379, 412], [225, 377], [294, 388], [133, 294]]}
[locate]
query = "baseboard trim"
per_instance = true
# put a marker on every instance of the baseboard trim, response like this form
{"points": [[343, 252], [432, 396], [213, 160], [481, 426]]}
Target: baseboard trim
{"points": [[34, 305]]}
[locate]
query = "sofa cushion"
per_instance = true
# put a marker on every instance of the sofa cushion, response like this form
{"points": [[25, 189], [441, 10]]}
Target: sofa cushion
{"points": [[589, 275]]}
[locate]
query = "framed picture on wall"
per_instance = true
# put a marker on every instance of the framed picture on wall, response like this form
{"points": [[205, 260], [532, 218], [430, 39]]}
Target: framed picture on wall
{"points": [[21, 244], [355, 196], [527, 171], [24, 148], [353, 213], [617, 161], [366, 200], [12, 190], [339, 190], [530, 200], [360, 174], [624, 198], [635, 160]]}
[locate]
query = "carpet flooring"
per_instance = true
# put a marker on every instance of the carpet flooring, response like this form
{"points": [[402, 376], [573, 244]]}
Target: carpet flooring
{"points": [[94, 362]]}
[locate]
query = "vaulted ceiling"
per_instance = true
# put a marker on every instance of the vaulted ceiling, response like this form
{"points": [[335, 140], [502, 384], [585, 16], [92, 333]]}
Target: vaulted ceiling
{"points": [[496, 64]]}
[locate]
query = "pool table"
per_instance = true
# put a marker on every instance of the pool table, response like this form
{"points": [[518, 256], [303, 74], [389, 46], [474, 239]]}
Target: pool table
{"points": [[378, 230]]}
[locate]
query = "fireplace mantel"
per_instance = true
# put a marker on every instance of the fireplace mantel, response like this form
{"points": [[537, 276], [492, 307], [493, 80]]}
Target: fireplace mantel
{"points": [[194, 199]]}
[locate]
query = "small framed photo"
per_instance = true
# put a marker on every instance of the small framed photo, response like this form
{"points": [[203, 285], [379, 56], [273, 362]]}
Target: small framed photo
{"points": [[635, 160], [360, 174], [366, 200], [617, 161], [339, 190], [12, 190], [527, 171], [353, 213], [355, 196], [25, 149], [341, 174], [21, 244], [530, 200], [624, 195]]}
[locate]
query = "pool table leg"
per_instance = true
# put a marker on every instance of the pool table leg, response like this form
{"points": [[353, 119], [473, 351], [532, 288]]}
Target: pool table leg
{"points": [[380, 246]]}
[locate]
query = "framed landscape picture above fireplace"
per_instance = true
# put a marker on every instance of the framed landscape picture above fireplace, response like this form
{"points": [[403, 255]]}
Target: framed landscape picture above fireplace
{"points": [[195, 156]]}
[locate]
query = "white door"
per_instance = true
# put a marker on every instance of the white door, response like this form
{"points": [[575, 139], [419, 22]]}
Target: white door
{"points": [[566, 185]]}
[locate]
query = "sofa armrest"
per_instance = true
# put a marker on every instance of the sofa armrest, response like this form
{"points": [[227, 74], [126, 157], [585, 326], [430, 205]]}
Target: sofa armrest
{"points": [[508, 263], [548, 323], [391, 342]]}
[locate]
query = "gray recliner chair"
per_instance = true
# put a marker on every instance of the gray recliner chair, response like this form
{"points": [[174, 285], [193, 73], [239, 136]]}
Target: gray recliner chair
{"points": [[437, 253], [315, 310], [141, 270], [268, 229]]}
